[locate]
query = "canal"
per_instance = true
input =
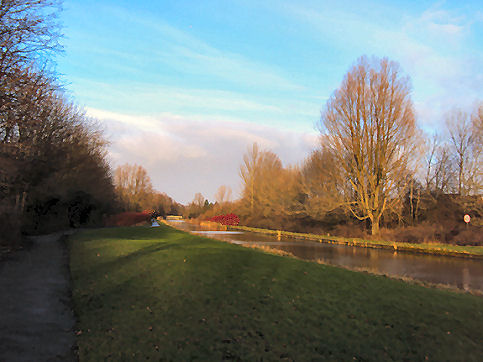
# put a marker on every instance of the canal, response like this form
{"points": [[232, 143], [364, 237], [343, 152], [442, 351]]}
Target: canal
{"points": [[459, 272]]}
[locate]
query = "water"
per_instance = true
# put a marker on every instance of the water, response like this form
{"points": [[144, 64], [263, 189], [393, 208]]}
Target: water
{"points": [[459, 272]]}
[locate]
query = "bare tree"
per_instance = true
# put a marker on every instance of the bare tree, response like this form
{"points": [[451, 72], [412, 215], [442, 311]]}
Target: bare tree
{"points": [[223, 194], [371, 131], [251, 161], [477, 149], [198, 199], [432, 149], [439, 176], [260, 171], [289, 198], [196, 207], [52, 156], [133, 186], [322, 182], [465, 142], [29, 33]]}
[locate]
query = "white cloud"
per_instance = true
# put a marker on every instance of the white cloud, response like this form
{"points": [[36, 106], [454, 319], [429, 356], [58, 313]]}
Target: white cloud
{"points": [[438, 22], [434, 47], [184, 156]]}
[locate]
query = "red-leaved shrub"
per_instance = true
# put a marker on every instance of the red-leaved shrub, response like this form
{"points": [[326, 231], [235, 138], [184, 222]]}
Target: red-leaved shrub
{"points": [[228, 219]]}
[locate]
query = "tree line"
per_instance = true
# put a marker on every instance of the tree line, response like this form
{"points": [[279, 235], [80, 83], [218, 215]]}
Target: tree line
{"points": [[54, 171], [134, 192], [53, 167], [373, 166]]}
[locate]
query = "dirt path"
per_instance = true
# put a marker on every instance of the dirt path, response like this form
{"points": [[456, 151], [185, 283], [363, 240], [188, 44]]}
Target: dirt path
{"points": [[36, 321]]}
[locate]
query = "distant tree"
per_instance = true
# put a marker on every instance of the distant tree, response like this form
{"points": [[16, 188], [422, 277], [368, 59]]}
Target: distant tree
{"points": [[459, 128], [199, 200], [198, 206], [477, 130], [223, 194], [289, 198], [371, 130], [260, 171], [323, 183], [248, 170], [465, 142], [162, 204], [133, 186], [440, 171], [272, 195]]}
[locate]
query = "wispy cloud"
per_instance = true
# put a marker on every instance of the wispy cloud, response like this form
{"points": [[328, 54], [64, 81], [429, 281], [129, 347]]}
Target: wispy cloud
{"points": [[185, 156], [199, 103], [183, 51], [434, 47]]}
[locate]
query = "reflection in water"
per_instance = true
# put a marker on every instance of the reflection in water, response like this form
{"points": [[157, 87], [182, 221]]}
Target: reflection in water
{"points": [[466, 278], [458, 272]]}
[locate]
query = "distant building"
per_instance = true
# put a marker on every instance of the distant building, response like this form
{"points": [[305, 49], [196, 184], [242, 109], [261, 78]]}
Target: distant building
{"points": [[174, 217]]}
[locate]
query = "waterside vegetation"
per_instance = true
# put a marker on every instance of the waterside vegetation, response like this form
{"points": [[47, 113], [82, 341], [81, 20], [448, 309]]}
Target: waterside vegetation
{"points": [[431, 248]]}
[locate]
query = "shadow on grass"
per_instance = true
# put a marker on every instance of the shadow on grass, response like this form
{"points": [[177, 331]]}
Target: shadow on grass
{"points": [[119, 262], [193, 297]]}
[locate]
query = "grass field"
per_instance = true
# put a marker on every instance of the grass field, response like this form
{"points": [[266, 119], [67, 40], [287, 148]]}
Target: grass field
{"points": [[158, 293]]}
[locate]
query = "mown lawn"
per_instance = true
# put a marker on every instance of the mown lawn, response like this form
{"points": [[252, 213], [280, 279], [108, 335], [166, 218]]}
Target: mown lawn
{"points": [[157, 293]]}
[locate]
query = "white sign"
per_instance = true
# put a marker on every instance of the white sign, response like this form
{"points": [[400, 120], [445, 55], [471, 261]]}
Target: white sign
{"points": [[467, 218]]}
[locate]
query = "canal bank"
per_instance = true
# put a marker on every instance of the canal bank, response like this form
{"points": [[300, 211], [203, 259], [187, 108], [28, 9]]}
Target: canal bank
{"points": [[475, 252], [442, 270]]}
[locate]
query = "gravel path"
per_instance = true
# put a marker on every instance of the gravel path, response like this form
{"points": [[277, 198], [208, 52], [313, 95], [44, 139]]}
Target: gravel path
{"points": [[36, 320]]}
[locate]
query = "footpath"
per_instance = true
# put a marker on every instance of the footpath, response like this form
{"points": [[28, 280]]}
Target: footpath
{"points": [[36, 318]]}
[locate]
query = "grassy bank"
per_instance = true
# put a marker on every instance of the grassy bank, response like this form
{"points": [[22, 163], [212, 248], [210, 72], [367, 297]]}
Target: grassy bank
{"points": [[430, 248], [160, 293]]}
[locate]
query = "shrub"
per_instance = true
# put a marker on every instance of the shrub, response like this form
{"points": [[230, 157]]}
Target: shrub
{"points": [[427, 232], [228, 219]]}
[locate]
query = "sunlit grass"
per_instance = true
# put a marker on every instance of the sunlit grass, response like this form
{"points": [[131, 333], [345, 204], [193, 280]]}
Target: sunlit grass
{"points": [[160, 293]]}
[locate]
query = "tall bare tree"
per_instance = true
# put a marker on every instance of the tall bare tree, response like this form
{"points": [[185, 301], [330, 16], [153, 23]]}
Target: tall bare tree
{"points": [[322, 182], [440, 173], [29, 31], [260, 172], [133, 186], [223, 194], [370, 129], [477, 129], [465, 142], [248, 173]]}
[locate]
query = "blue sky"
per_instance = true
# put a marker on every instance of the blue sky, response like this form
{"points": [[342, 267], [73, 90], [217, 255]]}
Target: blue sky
{"points": [[184, 87]]}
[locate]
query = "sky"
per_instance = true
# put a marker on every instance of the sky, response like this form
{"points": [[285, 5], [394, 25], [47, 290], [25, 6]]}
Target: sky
{"points": [[183, 88]]}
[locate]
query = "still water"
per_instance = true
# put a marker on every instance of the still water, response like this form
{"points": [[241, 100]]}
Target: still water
{"points": [[454, 271]]}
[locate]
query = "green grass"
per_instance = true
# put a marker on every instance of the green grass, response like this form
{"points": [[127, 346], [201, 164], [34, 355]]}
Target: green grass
{"points": [[160, 293], [430, 248]]}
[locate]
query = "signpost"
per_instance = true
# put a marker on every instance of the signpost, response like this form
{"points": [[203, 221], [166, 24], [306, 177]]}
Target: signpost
{"points": [[467, 219]]}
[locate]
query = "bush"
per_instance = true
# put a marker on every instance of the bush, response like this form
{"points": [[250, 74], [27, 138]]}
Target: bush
{"points": [[449, 233], [228, 219], [472, 235]]}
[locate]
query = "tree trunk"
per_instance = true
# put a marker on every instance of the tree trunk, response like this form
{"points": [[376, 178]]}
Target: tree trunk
{"points": [[411, 206], [375, 225]]}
